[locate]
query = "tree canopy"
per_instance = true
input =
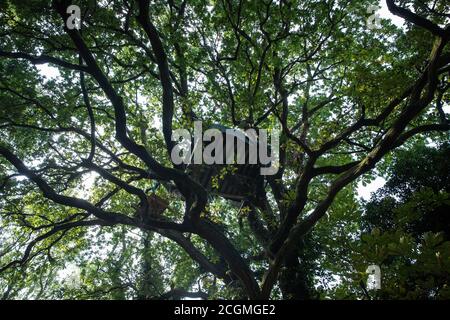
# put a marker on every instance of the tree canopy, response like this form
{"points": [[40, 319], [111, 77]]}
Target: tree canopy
{"points": [[92, 206]]}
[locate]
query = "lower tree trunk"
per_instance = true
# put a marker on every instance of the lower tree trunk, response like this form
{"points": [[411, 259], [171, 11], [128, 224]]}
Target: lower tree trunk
{"points": [[293, 280]]}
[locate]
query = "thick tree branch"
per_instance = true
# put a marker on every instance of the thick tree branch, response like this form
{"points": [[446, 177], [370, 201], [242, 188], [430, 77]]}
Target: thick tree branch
{"points": [[62, 227]]}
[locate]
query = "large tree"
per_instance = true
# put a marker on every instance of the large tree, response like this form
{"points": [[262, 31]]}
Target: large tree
{"points": [[81, 152]]}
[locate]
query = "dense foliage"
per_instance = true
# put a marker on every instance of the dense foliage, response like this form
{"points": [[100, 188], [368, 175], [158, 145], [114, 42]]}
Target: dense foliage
{"points": [[403, 228]]}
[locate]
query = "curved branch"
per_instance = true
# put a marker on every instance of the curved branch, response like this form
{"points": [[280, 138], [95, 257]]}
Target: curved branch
{"points": [[63, 227], [111, 217], [421, 129], [417, 20], [186, 185], [42, 59], [415, 105]]}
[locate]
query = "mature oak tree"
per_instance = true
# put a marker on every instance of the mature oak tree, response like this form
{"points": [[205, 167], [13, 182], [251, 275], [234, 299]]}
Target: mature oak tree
{"points": [[81, 152]]}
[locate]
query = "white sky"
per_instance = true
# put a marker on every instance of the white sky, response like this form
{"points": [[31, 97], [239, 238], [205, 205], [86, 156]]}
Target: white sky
{"points": [[365, 191]]}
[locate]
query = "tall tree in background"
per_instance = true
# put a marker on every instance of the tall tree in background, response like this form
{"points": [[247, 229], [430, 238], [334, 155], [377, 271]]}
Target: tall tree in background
{"points": [[403, 228], [81, 152]]}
